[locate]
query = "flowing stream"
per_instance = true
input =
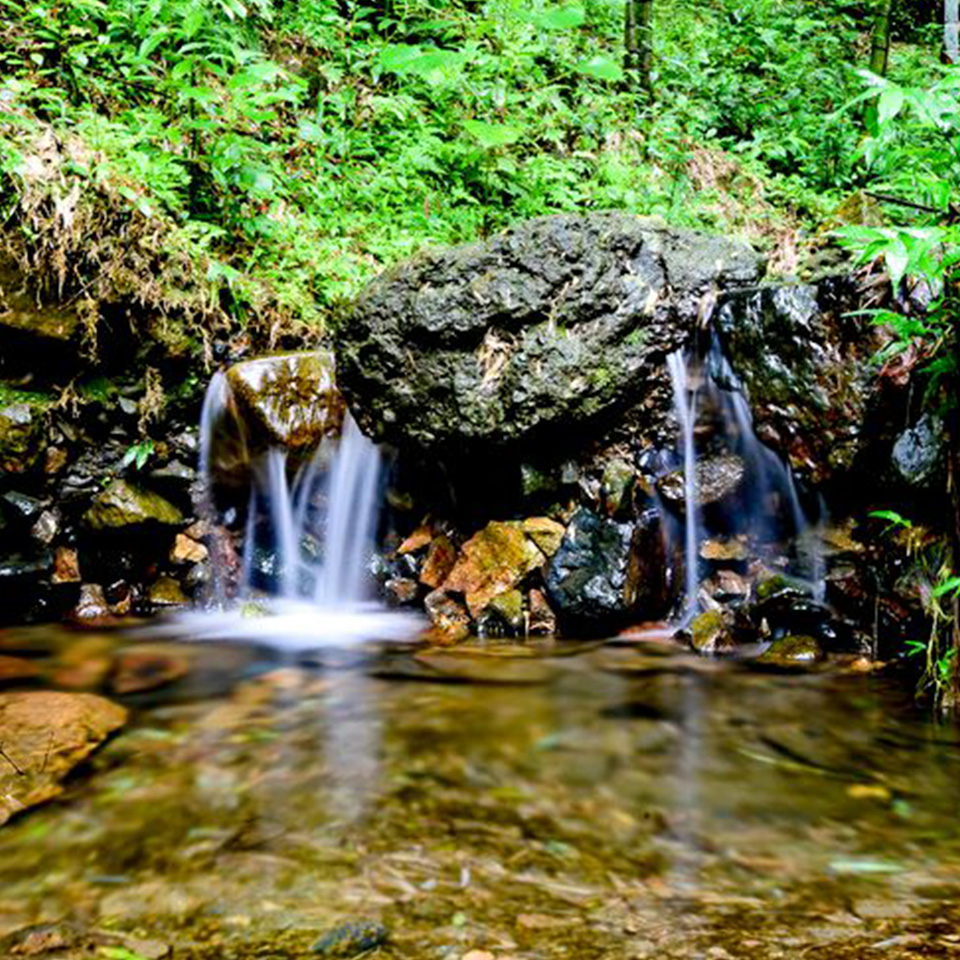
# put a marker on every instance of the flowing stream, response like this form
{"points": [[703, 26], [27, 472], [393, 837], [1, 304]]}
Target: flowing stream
{"points": [[712, 409]]}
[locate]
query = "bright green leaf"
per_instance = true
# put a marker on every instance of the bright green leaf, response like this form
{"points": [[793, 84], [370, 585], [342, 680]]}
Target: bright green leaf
{"points": [[490, 135], [601, 68], [567, 17]]}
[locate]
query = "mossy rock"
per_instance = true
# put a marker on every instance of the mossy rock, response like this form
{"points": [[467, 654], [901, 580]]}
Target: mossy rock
{"points": [[124, 504], [21, 436], [290, 400], [792, 651]]}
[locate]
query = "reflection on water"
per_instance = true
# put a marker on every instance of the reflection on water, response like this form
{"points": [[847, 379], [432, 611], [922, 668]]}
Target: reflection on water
{"points": [[607, 803]]}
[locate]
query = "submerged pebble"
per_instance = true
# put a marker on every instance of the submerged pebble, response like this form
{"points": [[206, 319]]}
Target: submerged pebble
{"points": [[350, 939]]}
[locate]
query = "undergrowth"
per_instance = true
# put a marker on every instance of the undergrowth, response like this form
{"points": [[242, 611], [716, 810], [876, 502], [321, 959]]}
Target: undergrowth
{"points": [[214, 161]]}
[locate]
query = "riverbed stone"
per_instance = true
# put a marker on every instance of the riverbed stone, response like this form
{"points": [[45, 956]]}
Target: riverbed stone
{"points": [[492, 562], [547, 327], [439, 561], [791, 651], [21, 433], [710, 633], [718, 479], [44, 735], [124, 504], [289, 400], [589, 577], [351, 939], [547, 534], [449, 617], [920, 453]]}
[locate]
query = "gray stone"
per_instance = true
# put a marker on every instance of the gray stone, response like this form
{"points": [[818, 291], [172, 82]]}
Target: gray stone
{"points": [[606, 572], [919, 454], [551, 325]]}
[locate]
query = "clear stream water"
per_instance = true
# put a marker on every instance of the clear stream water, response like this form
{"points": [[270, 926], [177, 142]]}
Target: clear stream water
{"points": [[495, 801], [545, 801]]}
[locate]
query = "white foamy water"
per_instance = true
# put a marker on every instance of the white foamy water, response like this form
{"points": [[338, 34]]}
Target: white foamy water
{"points": [[304, 576]]}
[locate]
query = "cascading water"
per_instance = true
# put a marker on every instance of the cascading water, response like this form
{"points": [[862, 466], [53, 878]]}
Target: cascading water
{"points": [[714, 421], [305, 547]]}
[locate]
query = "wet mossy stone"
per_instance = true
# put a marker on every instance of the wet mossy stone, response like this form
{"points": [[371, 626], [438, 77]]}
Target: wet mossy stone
{"points": [[289, 400], [124, 504], [710, 633], [537, 332], [351, 939], [21, 432], [792, 651]]}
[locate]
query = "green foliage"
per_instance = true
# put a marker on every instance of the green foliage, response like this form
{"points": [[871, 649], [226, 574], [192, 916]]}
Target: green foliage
{"points": [[913, 153], [137, 455], [286, 152]]}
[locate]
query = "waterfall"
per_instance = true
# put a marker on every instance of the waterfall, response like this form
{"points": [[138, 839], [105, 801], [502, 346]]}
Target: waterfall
{"points": [[712, 412], [685, 406], [307, 544]]}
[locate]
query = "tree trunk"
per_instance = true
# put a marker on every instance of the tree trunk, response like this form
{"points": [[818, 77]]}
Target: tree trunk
{"points": [[951, 31], [638, 41], [880, 46]]}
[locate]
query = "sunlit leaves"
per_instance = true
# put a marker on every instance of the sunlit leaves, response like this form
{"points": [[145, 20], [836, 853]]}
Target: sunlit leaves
{"points": [[565, 17], [601, 68], [492, 135], [431, 64]]}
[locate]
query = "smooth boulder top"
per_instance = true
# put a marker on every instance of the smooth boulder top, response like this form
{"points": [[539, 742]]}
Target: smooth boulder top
{"points": [[551, 324]]}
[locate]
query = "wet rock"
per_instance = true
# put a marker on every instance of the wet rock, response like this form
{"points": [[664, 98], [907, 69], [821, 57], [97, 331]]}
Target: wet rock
{"points": [[21, 437], [710, 633], [727, 586], [440, 560], [791, 650], [550, 325], [781, 587], [125, 504], [542, 622], [26, 507], [449, 617], [724, 551], [44, 735], [920, 453], [718, 479], [417, 540], [55, 460], [805, 360], [92, 607], [167, 592], [351, 939], [588, 580], [66, 566], [547, 534], [46, 527], [25, 566], [138, 669], [619, 478], [508, 610], [187, 550], [290, 400], [402, 590], [492, 562]]}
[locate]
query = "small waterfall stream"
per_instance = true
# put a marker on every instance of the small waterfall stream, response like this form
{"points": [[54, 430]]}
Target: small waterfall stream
{"points": [[714, 420], [309, 535], [308, 541]]}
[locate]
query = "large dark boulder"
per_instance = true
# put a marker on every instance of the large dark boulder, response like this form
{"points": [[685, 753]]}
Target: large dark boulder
{"points": [[547, 327], [804, 357], [606, 574]]}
